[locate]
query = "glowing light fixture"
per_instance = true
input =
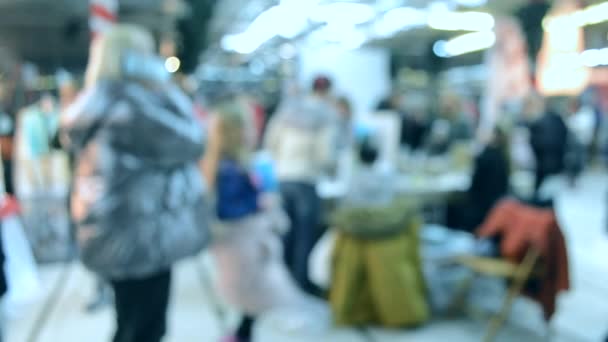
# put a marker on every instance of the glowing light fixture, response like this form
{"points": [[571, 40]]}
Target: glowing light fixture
{"points": [[561, 63], [288, 19], [172, 64], [461, 21], [464, 44], [287, 51], [293, 18], [399, 19], [471, 3], [261, 30], [342, 35], [241, 43], [590, 15], [343, 12], [354, 40], [594, 57]]}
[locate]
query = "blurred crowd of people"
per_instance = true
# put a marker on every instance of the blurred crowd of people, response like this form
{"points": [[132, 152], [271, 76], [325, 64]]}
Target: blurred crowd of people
{"points": [[125, 160]]}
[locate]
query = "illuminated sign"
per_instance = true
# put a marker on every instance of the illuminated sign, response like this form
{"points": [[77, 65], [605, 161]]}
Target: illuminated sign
{"points": [[560, 70]]}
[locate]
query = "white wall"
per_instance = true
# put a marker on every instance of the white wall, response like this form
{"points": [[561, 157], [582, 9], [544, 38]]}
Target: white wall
{"points": [[362, 75]]}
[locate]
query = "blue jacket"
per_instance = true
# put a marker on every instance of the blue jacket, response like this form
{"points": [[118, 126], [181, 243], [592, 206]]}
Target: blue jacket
{"points": [[237, 196]]}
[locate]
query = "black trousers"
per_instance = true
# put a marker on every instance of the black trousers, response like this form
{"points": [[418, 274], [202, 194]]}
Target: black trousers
{"points": [[243, 332], [141, 308], [8, 176], [303, 206]]}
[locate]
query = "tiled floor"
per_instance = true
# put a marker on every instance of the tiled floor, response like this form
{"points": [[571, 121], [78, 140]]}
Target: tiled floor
{"points": [[195, 315]]}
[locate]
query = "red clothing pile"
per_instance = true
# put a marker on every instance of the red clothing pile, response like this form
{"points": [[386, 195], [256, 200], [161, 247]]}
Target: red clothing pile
{"points": [[520, 227]]}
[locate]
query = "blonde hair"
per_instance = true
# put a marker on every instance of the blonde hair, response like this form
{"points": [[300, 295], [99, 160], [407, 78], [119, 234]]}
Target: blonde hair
{"points": [[107, 52], [233, 126]]}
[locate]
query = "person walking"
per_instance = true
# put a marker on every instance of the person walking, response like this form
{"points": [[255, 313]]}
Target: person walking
{"points": [[246, 245], [137, 200], [301, 140]]}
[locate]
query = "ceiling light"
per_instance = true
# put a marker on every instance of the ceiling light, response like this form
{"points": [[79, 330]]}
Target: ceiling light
{"points": [[343, 12], [264, 27], [464, 44], [172, 64], [594, 57], [471, 3], [261, 30], [590, 15], [595, 14], [354, 40], [288, 20], [287, 51], [347, 36], [336, 33], [293, 18], [440, 6], [440, 50], [461, 21], [399, 19]]}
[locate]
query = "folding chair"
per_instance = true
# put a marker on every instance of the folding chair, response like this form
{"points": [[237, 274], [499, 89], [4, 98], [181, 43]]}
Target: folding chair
{"points": [[517, 274]]}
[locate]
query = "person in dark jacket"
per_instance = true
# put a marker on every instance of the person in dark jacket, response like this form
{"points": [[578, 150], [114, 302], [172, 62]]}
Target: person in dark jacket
{"points": [[548, 138], [413, 124], [489, 184], [414, 129]]}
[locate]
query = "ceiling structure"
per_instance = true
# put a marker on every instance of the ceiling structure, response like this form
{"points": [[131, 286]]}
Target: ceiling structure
{"points": [[410, 46], [54, 33], [233, 16]]}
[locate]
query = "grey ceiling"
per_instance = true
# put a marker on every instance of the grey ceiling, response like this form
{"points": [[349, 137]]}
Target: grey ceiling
{"points": [[55, 33]]}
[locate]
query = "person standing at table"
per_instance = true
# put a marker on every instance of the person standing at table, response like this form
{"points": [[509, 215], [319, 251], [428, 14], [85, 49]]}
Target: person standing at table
{"points": [[301, 140], [490, 183], [548, 138]]}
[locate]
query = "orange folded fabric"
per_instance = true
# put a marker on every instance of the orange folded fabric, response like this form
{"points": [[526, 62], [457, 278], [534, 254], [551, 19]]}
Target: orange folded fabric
{"points": [[520, 227]]}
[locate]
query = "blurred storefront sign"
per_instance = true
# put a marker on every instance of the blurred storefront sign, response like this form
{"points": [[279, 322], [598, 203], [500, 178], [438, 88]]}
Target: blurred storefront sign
{"points": [[560, 69]]}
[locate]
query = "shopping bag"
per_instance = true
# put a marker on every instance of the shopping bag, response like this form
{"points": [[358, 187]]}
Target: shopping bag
{"points": [[320, 260]]}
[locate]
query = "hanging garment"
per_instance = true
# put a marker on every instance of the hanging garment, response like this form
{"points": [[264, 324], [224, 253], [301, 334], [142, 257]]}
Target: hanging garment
{"points": [[522, 227], [377, 274]]}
